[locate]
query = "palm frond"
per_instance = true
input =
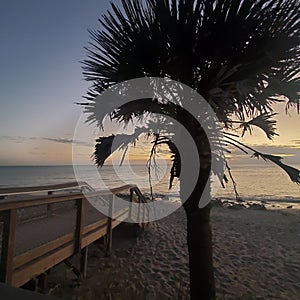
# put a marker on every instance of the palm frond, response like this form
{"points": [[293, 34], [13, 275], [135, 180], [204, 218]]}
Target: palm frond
{"points": [[107, 145], [175, 157], [293, 173], [262, 121], [103, 149]]}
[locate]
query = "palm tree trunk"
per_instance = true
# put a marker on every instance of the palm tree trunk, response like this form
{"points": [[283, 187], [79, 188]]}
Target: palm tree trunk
{"points": [[199, 234], [199, 240]]}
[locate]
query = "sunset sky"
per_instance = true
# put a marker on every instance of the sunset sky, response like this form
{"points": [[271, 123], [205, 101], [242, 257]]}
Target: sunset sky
{"points": [[41, 78]]}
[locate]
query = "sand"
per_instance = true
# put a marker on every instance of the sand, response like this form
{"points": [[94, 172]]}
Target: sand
{"points": [[256, 256]]}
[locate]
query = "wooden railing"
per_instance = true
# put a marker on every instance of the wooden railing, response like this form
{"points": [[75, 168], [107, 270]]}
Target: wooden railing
{"points": [[30, 189], [15, 270]]}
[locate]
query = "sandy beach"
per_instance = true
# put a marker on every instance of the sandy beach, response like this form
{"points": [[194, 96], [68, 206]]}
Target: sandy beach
{"points": [[256, 256]]}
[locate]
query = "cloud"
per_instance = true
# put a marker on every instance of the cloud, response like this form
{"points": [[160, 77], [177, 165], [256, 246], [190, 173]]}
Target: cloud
{"points": [[20, 139], [13, 138], [17, 139], [67, 141], [58, 140], [295, 144], [296, 141], [283, 150]]}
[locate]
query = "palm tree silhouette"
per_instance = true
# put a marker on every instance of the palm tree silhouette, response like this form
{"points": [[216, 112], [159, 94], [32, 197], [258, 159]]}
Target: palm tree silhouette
{"points": [[242, 56]]}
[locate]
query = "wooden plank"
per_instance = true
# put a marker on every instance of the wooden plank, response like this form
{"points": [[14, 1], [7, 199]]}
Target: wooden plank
{"points": [[33, 254], [93, 236], [115, 223], [102, 231], [93, 226], [8, 246], [22, 275]]}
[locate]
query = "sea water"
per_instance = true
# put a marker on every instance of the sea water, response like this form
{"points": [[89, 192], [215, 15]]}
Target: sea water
{"points": [[254, 182]]}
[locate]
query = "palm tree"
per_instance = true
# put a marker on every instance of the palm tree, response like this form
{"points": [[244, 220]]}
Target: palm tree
{"points": [[242, 56]]}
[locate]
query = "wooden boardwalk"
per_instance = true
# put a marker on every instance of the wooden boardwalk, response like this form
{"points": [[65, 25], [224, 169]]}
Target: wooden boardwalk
{"points": [[40, 231]]}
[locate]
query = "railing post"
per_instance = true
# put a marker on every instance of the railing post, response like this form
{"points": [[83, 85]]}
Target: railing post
{"points": [[80, 211], [83, 262], [8, 245], [144, 207], [130, 205], [139, 210], [109, 226], [81, 205]]}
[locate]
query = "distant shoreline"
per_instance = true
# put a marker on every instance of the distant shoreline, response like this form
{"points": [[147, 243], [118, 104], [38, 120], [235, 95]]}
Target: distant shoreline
{"points": [[257, 163]]}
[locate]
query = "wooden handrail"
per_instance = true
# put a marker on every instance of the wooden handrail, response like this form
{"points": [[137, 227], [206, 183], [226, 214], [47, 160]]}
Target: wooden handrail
{"points": [[8, 204], [28, 189], [141, 199]]}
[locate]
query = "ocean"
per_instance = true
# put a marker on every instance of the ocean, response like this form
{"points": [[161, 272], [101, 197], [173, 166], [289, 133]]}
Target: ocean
{"points": [[266, 183]]}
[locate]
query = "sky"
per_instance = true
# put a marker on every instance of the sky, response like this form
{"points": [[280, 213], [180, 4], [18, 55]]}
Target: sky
{"points": [[42, 44]]}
